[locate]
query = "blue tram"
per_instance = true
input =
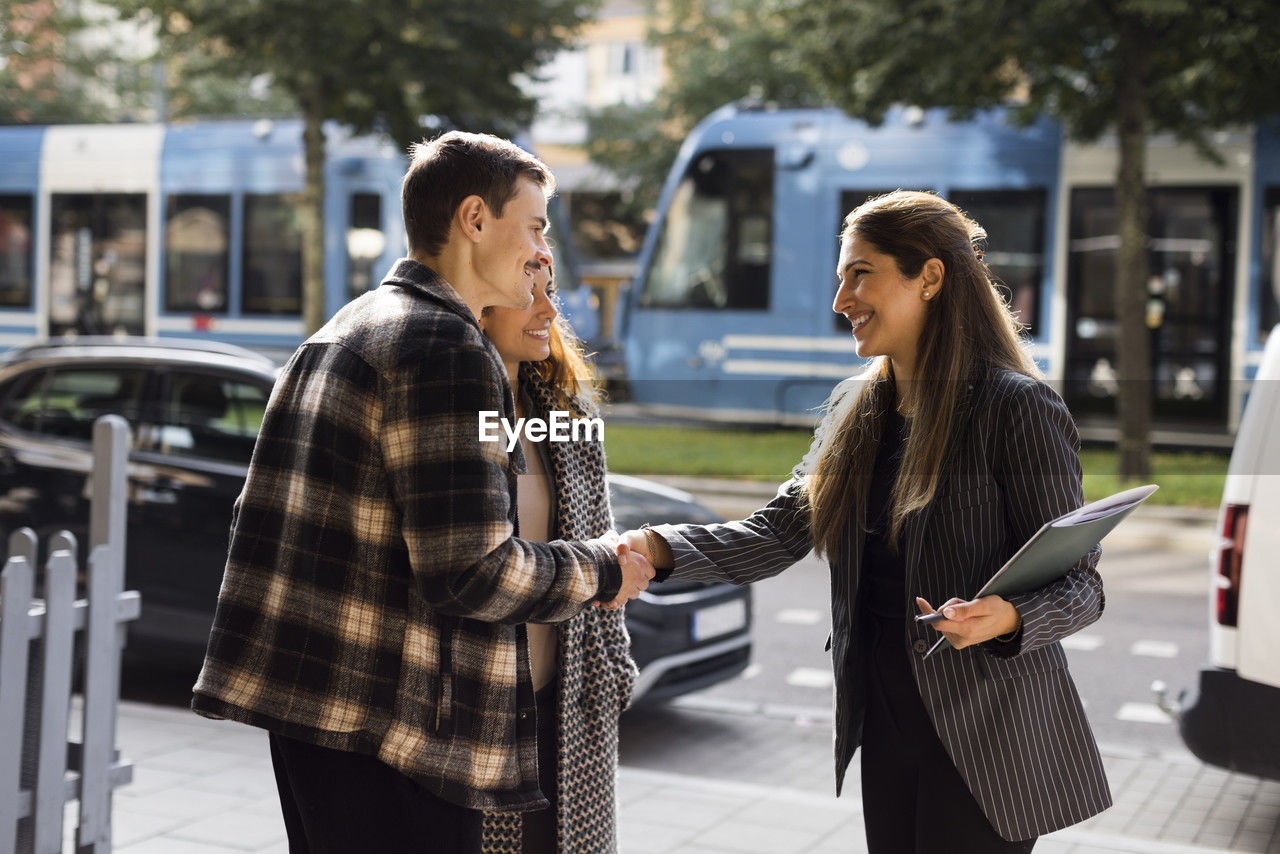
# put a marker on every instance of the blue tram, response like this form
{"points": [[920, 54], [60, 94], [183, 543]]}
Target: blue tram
{"points": [[729, 316], [190, 230]]}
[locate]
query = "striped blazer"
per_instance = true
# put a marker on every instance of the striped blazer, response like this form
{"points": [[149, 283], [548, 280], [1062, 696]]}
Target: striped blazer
{"points": [[1008, 714]]}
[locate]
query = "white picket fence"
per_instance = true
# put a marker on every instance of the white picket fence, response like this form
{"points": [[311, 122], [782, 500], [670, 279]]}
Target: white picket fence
{"points": [[43, 767]]}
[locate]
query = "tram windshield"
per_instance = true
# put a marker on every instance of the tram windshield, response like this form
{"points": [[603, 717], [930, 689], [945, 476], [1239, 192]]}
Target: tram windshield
{"points": [[716, 242]]}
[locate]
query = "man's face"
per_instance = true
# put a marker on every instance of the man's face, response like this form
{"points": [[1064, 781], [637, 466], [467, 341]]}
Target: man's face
{"points": [[512, 246]]}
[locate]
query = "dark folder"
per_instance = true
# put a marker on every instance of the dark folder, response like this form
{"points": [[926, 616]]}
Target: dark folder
{"points": [[1055, 548]]}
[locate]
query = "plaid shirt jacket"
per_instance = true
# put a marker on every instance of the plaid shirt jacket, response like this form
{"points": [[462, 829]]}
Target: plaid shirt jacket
{"points": [[374, 592]]}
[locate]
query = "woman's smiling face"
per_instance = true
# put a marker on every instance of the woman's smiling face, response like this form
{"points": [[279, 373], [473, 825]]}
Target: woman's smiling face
{"points": [[886, 309], [523, 335]]}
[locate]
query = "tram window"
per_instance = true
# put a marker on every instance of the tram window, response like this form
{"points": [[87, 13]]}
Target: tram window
{"points": [[716, 243], [15, 251], [1188, 300], [272, 255], [197, 235], [1014, 251], [365, 241], [97, 263], [1269, 281]]}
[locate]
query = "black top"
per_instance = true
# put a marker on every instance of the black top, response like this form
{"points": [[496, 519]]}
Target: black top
{"points": [[884, 574]]}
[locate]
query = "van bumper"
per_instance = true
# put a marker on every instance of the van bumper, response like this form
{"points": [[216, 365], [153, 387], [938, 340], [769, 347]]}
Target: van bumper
{"points": [[1230, 722]]}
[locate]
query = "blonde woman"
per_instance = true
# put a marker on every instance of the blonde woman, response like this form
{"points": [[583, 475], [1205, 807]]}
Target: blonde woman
{"points": [[926, 474], [582, 669]]}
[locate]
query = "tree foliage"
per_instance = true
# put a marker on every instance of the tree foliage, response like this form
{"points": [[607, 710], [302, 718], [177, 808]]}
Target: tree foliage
{"points": [[55, 67], [716, 52], [1211, 61], [377, 64]]}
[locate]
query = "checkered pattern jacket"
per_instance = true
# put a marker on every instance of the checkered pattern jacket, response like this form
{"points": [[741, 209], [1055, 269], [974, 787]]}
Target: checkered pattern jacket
{"points": [[374, 593], [594, 667]]}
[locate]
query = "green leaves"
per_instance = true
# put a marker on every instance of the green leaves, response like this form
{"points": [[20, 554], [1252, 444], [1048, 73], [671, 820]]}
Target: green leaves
{"points": [[1210, 63], [716, 52], [370, 63]]}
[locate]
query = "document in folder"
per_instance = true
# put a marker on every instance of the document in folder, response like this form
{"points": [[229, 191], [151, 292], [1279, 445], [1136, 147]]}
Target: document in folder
{"points": [[1056, 547]]}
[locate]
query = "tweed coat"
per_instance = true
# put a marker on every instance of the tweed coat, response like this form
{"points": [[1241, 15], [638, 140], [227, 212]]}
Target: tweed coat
{"points": [[374, 597], [595, 671], [1008, 714]]}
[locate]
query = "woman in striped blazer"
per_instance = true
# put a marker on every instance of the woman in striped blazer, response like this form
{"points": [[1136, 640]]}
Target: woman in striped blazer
{"points": [[582, 669], [926, 473]]}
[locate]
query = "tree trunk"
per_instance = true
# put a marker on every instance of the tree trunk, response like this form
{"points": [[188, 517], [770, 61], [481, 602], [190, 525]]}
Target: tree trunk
{"points": [[313, 307], [1133, 340]]}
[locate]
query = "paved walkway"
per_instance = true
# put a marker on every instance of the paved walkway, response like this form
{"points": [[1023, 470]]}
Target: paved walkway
{"points": [[205, 787]]}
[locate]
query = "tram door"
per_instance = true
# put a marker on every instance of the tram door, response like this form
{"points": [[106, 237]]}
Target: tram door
{"points": [[1191, 258], [97, 264]]}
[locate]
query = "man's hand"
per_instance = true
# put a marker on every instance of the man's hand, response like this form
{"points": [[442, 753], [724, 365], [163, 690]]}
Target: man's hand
{"points": [[637, 572], [969, 623]]}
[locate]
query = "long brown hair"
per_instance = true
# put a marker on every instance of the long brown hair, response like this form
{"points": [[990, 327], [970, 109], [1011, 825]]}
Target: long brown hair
{"points": [[967, 324]]}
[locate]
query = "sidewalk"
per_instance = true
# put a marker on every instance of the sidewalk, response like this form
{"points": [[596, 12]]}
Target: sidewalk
{"points": [[206, 787]]}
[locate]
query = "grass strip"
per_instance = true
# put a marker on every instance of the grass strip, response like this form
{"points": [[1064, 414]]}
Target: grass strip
{"points": [[1187, 479]]}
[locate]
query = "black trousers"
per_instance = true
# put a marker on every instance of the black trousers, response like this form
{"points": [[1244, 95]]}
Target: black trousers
{"points": [[337, 802], [914, 801], [538, 828]]}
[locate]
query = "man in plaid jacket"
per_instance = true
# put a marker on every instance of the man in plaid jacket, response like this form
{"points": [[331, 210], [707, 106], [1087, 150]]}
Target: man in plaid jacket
{"points": [[372, 608]]}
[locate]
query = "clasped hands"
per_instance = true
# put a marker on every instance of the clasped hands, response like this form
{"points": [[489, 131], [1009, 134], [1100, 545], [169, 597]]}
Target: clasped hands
{"points": [[636, 564]]}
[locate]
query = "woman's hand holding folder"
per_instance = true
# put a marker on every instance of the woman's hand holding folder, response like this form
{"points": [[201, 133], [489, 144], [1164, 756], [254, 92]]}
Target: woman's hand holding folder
{"points": [[967, 623]]}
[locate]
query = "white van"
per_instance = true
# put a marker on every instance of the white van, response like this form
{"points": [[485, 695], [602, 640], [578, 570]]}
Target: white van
{"points": [[1232, 721]]}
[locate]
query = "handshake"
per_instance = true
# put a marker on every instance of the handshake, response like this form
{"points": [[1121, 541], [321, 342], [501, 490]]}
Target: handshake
{"points": [[636, 561]]}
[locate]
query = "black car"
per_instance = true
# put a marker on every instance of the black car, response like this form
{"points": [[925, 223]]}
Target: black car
{"points": [[194, 408]]}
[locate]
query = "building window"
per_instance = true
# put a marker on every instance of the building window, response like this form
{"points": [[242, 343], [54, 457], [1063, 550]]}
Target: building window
{"points": [[715, 248], [365, 242], [1015, 223], [15, 251], [272, 255], [196, 242], [1269, 280], [633, 73]]}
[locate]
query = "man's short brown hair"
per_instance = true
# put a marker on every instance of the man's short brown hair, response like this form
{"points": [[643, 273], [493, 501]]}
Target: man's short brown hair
{"points": [[455, 165]]}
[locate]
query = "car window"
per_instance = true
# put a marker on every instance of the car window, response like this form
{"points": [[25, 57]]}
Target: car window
{"points": [[212, 417], [65, 402]]}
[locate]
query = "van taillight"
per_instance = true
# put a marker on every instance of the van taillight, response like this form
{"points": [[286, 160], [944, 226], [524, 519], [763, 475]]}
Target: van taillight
{"points": [[1230, 557]]}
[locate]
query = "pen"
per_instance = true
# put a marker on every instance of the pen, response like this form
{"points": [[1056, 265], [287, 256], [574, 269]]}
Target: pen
{"points": [[929, 620]]}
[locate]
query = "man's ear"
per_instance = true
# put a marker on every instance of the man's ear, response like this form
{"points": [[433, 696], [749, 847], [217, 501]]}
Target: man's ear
{"points": [[470, 217]]}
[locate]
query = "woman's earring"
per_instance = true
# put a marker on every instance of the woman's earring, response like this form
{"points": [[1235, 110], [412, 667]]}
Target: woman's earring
{"points": [[927, 295]]}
